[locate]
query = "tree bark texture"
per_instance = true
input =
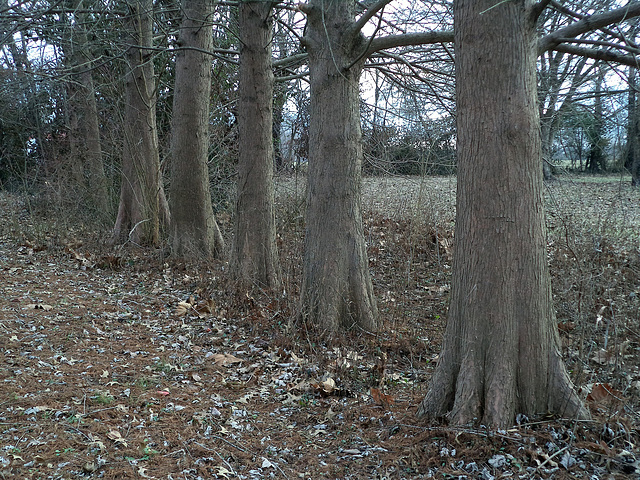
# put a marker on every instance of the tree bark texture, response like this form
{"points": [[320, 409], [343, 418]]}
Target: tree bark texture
{"points": [[84, 129], [194, 230], [255, 255], [501, 353], [142, 200], [337, 291]]}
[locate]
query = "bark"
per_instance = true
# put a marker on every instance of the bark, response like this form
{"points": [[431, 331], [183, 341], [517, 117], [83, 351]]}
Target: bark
{"points": [[279, 100], [142, 200], [632, 160], [501, 353], [84, 130], [596, 161], [255, 256], [194, 230], [337, 292]]}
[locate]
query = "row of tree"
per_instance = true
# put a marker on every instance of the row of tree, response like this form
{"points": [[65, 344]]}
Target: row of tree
{"points": [[402, 103], [500, 355]]}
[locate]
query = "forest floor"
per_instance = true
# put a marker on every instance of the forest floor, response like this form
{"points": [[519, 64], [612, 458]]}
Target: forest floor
{"points": [[122, 363]]}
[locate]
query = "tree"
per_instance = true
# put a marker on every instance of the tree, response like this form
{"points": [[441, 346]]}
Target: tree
{"points": [[286, 49], [337, 291], [84, 129], [560, 75], [142, 200], [501, 352], [255, 256], [572, 41], [25, 115], [596, 160], [194, 230], [632, 160]]}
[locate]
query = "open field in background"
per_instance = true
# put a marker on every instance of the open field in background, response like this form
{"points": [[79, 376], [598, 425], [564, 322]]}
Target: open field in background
{"points": [[123, 363]]}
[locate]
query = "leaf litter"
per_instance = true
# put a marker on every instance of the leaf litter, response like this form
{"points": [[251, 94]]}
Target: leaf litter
{"points": [[118, 365]]}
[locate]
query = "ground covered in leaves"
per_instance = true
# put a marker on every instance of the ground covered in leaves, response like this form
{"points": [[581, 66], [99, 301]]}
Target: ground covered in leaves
{"points": [[123, 363]]}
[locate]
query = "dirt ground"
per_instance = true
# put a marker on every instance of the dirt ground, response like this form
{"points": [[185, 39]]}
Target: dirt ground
{"points": [[123, 363]]}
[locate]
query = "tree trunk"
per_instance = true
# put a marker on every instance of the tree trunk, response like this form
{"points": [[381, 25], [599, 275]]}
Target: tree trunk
{"points": [[632, 160], [337, 292], [142, 200], [84, 131], [255, 256], [596, 160], [501, 353], [194, 231], [279, 100]]}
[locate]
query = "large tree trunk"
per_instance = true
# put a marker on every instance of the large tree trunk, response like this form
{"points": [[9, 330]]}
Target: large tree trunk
{"points": [[337, 292], [501, 352], [142, 200], [84, 130], [254, 255], [194, 231]]}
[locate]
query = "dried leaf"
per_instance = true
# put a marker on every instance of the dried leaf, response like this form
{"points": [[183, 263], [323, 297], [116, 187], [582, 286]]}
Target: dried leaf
{"points": [[604, 357], [223, 472], [446, 246], [329, 385], [325, 387], [206, 308], [603, 392], [566, 327], [379, 369], [182, 308], [83, 262], [382, 399], [297, 359], [38, 306], [116, 437], [224, 359]]}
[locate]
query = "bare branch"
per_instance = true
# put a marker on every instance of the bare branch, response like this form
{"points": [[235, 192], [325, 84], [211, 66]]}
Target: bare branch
{"points": [[305, 8], [288, 61], [588, 24], [288, 78], [605, 55], [602, 43], [369, 13], [408, 39], [579, 16], [538, 8]]}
